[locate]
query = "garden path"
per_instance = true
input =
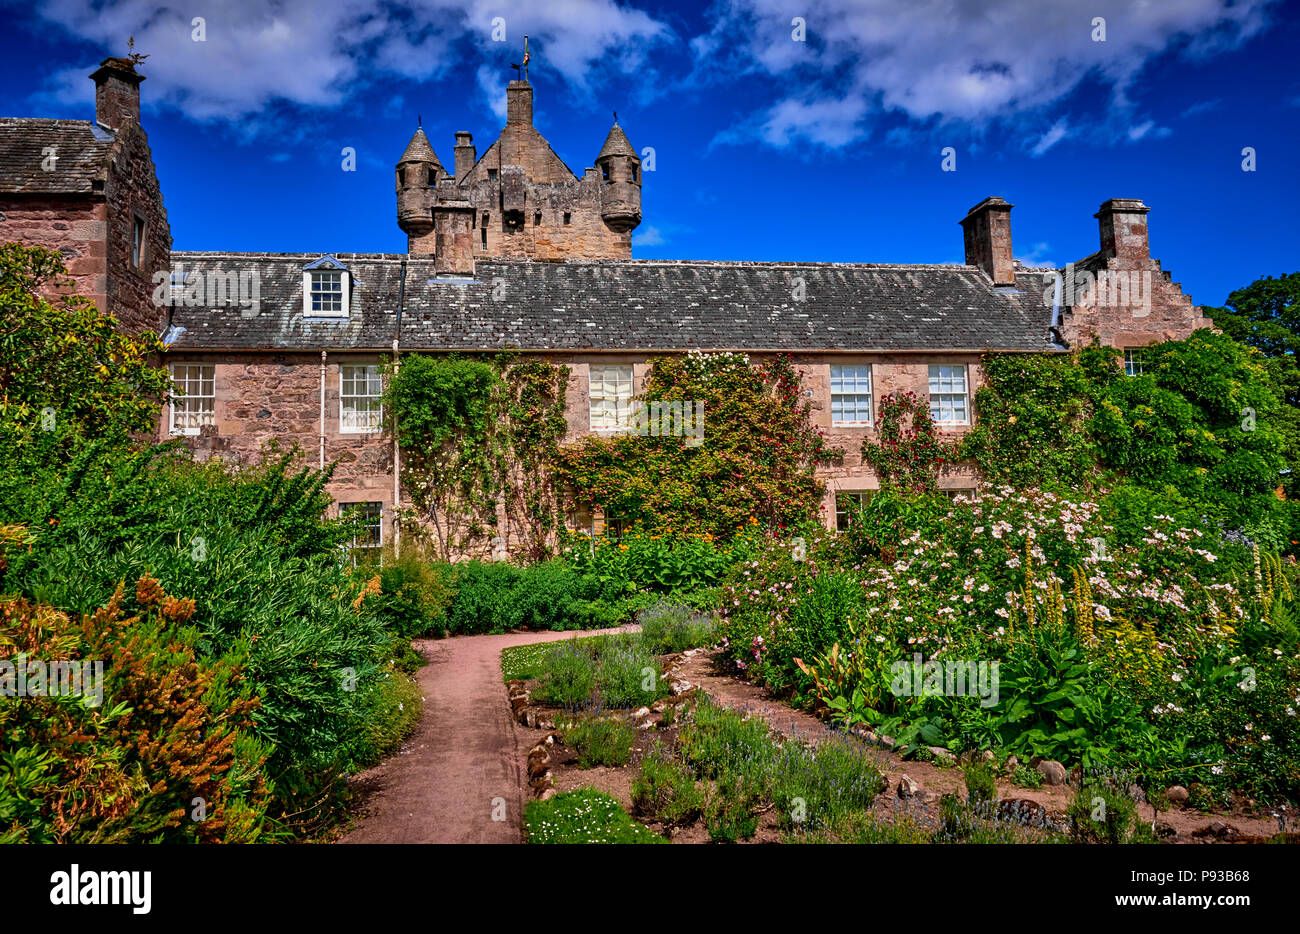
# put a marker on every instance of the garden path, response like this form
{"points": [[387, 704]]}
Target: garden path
{"points": [[458, 769]]}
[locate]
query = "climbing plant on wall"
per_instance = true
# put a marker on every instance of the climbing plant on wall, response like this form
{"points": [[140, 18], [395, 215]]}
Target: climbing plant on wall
{"points": [[753, 463], [1199, 423], [910, 454], [534, 407], [475, 432]]}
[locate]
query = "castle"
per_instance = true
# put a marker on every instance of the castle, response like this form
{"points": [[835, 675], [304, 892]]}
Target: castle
{"points": [[512, 250]]}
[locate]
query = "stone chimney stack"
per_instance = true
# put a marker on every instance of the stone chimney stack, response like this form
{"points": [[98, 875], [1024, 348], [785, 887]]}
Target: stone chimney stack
{"points": [[454, 238], [987, 232], [117, 93], [466, 154], [519, 103], [1123, 223]]}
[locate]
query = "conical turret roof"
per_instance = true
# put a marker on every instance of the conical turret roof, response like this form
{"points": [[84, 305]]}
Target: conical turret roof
{"points": [[616, 144], [419, 150]]}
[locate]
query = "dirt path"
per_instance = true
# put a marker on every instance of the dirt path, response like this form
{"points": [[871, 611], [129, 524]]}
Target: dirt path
{"points": [[459, 766]]}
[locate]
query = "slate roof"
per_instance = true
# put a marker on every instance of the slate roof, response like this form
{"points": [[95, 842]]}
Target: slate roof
{"points": [[616, 144], [633, 305], [82, 148], [419, 150]]}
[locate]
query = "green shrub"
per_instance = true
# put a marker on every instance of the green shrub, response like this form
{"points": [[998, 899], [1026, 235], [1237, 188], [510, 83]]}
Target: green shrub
{"points": [[1102, 813], [1026, 777], [484, 600], [672, 627], [817, 787], [263, 565], [720, 742], [627, 674], [599, 739], [664, 789], [546, 596], [583, 816], [981, 786], [414, 594], [568, 676], [731, 806]]}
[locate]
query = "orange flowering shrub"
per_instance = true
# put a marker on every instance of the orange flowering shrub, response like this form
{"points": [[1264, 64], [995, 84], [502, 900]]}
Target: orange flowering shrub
{"points": [[162, 757]]}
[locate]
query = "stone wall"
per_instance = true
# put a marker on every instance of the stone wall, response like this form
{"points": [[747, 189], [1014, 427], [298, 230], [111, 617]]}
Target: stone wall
{"points": [[268, 397], [94, 232], [132, 191], [1169, 315], [277, 397], [76, 226], [1120, 296]]}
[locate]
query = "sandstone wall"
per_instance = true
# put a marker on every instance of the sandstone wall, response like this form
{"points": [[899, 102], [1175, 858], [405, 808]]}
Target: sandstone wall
{"points": [[94, 232], [260, 398], [76, 226], [132, 191]]}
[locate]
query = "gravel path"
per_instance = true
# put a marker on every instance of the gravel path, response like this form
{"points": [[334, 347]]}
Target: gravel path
{"points": [[458, 769]]}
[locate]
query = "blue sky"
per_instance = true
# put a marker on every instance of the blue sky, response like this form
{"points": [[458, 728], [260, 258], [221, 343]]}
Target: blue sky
{"points": [[766, 147]]}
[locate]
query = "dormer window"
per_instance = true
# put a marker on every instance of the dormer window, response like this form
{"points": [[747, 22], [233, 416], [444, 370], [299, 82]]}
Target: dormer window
{"points": [[327, 293], [325, 289]]}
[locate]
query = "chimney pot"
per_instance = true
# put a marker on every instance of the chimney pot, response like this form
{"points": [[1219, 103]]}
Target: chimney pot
{"points": [[987, 233], [466, 154], [1123, 226], [117, 93]]}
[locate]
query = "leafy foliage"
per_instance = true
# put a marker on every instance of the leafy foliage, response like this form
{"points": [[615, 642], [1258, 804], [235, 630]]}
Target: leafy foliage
{"points": [[909, 454], [754, 465]]}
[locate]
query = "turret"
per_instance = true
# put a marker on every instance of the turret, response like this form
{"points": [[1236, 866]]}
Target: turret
{"points": [[417, 171], [620, 178]]}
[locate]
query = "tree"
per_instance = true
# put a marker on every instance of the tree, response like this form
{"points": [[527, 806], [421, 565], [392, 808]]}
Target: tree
{"points": [[65, 366], [1266, 315]]}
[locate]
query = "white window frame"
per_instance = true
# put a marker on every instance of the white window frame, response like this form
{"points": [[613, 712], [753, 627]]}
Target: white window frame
{"points": [[943, 377], [378, 525], [373, 378], [308, 287], [862, 496], [597, 403], [853, 372], [1132, 361], [206, 377]]}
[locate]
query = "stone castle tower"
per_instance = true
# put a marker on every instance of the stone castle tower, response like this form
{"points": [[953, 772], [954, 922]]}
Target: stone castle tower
{"points": [[517, 200]]}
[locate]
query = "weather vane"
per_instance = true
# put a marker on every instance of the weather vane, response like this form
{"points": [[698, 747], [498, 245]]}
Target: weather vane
{"points": [[522, 67]]}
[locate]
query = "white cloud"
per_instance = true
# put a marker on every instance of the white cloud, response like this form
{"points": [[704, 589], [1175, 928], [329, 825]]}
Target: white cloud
{"points": [[648, 236], [975, 62], [1035, 258], [493, 91], [1060, 129], [296, 51]]}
